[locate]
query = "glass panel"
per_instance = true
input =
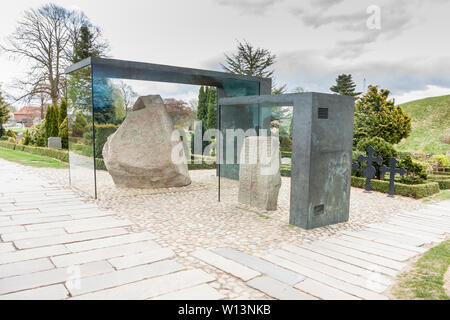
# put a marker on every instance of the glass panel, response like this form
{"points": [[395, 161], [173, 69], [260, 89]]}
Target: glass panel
{"points": [[79, 114], [233, 118], [238, 123]]}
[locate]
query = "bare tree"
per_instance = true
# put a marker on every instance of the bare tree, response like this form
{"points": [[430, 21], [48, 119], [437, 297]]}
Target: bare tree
{"points": [[128, 94], [45, 37]]}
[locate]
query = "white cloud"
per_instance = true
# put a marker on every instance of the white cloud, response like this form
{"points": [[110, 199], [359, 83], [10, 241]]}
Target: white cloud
{"points": [[430, 91]]}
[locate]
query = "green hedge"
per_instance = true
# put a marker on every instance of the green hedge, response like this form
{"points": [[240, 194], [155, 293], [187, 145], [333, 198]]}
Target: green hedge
{"points": [[410, 190], [442, 173], [7, 145], [442, 179], [286, 154], [438, 177]]}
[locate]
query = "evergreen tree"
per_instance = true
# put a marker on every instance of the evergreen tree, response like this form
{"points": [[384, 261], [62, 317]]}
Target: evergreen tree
{"points": [[252, 61], [62, 111], [212, 108], [4, 111], [85, 46], [345, 86], [202, 108], [376, 116], [51, 125]]}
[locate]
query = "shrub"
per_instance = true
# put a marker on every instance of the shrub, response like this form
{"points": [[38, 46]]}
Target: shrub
{"points": [[355, 156], [11, 134], [414, 170], [102, 132], [12, 140], [376, 116], [285, 143], [286, 154], [51, 125], [441, 161], [381, 147], [416, 191], [64, 134]]}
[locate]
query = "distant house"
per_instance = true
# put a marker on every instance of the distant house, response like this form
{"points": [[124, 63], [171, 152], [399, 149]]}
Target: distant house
{"points": [[29, 115]]}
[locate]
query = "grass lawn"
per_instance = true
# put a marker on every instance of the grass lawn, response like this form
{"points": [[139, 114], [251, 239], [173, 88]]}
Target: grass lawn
{"points": [[443, 195], [430, 129], [29, 159], [426, 279]]}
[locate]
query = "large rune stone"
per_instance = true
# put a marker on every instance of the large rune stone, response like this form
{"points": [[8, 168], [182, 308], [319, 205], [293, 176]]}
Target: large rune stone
{"points": [[140, 153], [259, 172]]}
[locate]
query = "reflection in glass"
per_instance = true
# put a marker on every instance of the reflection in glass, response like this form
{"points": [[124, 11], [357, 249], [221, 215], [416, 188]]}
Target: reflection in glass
{"points": [[79, 115]]}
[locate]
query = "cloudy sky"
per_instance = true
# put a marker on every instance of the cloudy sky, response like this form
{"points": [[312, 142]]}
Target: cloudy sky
{"points": [[405, 48]]}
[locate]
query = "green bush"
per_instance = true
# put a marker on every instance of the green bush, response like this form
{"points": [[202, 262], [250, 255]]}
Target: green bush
{"points": [[51, 125], [381, 147], [64, 134], [416, 191], [414, 169], [442, 161], [12, 140], [286, 154], [7, 145], [355, 156], [102, 132], [37, 135], [11, 134], [285, 143]]}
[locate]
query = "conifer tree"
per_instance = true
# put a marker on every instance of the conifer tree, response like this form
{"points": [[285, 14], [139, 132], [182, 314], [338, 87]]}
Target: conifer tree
{"points": [[51, 125], [345, 86], [212, 108], [202, 108]]}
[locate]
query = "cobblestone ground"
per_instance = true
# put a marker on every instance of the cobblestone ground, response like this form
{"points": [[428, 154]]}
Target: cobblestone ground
{"points": [[188, 218]]}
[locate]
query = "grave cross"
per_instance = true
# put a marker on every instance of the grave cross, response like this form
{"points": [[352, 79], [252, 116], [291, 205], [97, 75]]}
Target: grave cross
{"points": [[392, 170], [369, 170]]}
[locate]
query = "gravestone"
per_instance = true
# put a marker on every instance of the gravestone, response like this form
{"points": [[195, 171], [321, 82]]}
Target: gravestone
{"points": [[140, 154], [54, 143], [259, 172], [392, 170], [369, 170]]}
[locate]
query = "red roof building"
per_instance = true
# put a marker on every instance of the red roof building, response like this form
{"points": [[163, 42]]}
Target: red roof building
{"points": [[28, 114]]}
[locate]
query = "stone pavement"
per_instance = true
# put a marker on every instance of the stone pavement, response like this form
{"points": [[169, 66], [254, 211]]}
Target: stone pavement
{"points": [[56, 245]]}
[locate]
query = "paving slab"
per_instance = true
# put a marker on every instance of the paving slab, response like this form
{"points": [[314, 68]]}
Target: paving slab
{"points": [[67, 238], [331, 271], [141, 258], [53, 292], [322, 291], [103, 253], [53, 276], [325, 279], [153, 287], [118, 278], [200, 292], [260, 265], [119, 237], [278, 290], [25, 267], [30, 254], [226, 265]]}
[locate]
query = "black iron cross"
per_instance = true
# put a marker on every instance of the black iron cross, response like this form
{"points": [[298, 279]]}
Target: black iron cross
{"points": [[369, 170], [392, 170]]}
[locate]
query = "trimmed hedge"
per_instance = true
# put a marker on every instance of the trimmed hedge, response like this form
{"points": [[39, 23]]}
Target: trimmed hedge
{"points": [[410, 190], [442, 173], [286, 154]]}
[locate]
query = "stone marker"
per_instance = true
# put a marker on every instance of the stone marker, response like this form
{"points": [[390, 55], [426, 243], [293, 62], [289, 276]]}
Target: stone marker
{"points": [[54, 142], [139, 153], [259, 172]]}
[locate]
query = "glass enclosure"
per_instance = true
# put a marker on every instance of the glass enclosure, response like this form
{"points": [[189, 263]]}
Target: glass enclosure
{"points": [[98, 104]]}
